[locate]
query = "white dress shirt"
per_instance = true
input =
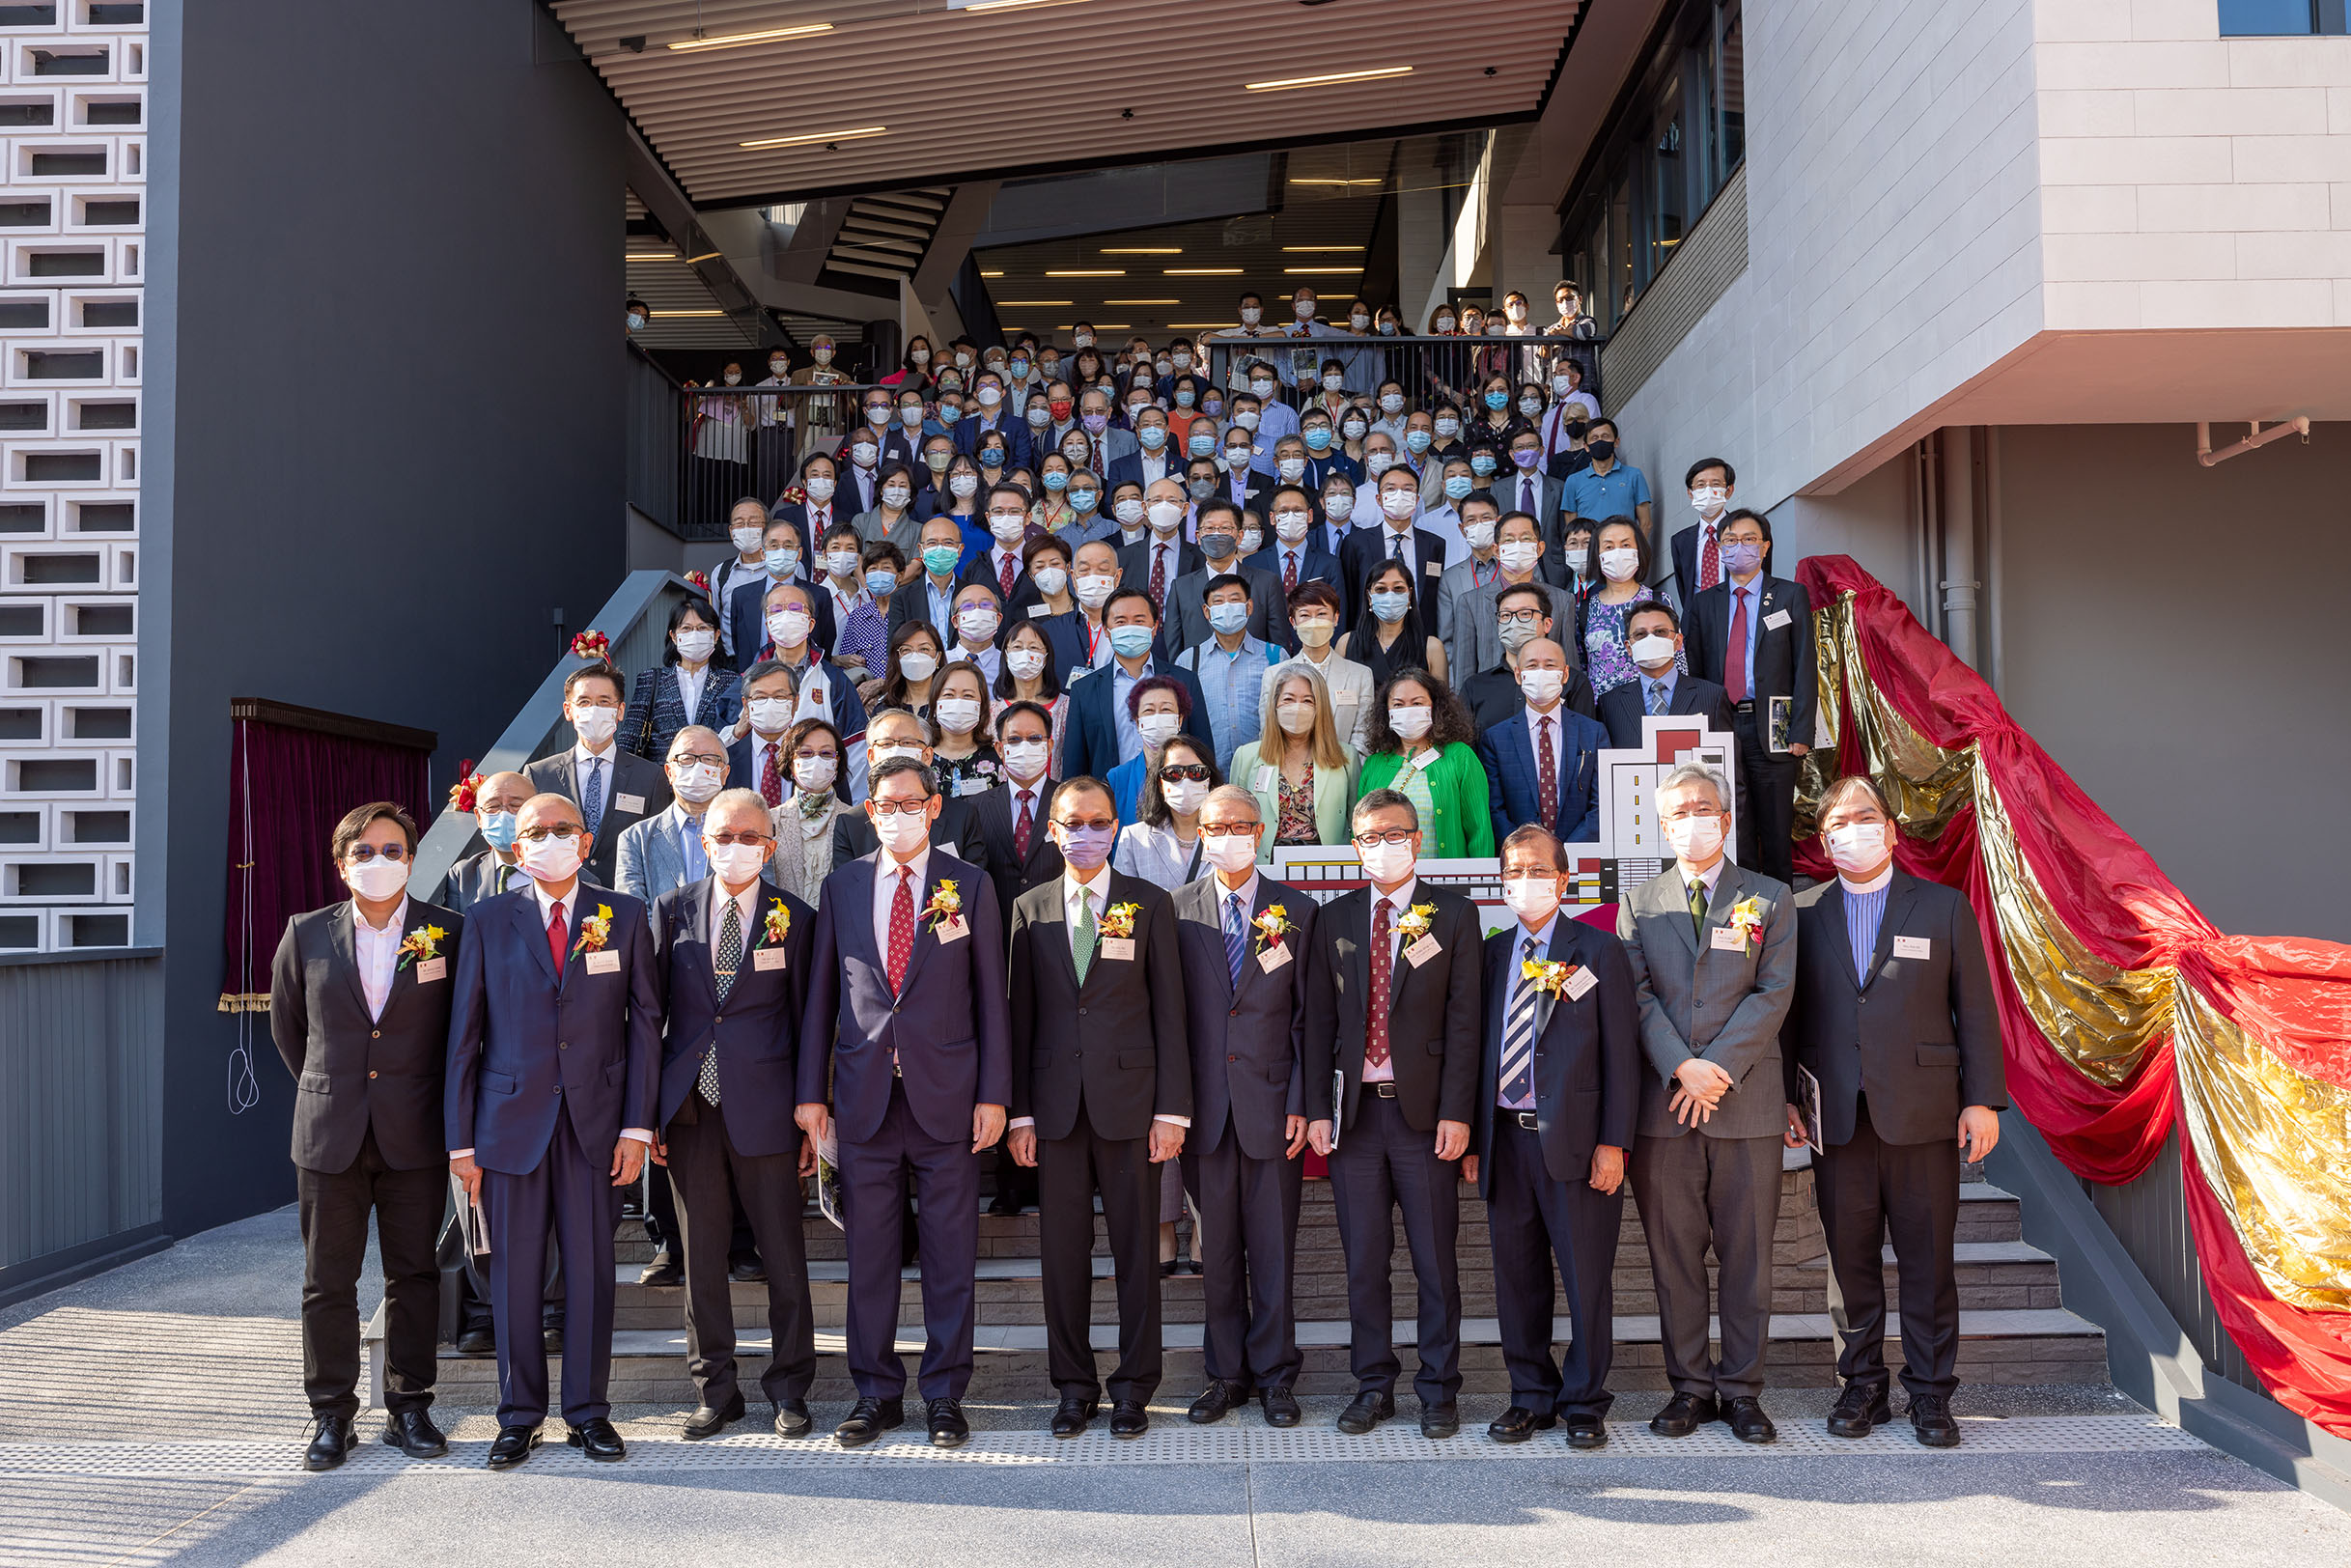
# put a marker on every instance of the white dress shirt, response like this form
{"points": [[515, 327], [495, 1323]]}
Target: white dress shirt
{"points": [[1709, 877], [885, 888], [1401, 904], [378, 951], [1076, 898], [689, 687]]}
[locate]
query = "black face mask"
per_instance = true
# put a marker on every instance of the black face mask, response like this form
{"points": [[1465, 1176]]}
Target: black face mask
{"points": [[1601, 450], [1576, 429]]}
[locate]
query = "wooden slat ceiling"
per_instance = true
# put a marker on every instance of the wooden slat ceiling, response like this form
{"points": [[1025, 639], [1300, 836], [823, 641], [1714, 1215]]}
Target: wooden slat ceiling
{"points": [[1062, 83]]}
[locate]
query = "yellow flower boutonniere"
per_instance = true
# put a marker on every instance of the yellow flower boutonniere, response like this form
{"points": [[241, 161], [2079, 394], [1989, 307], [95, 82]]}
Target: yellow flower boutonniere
{"points": [[1118, 920], [425, 941], [1415, 922], [947, 905], [779, 920], [1547, 974], [1271, 926], [1745, 918], [596, 930]]}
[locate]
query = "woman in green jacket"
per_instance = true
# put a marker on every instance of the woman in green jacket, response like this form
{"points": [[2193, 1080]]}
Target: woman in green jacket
{"points": [[1421, 744]]}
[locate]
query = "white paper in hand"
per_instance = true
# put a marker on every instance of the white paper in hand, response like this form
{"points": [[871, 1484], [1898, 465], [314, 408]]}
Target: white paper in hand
{"points": [[828, 1177]]}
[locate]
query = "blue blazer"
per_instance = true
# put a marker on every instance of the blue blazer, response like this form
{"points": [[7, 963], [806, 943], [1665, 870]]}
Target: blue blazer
{"points": [[656, 707], [756, 1029], [1126, 782], [747, 621], [1014, 429], [1315, 564], [1090, 742], [1515, 790], [1587, 1061], [527, 1045], [1248, 1041], [950, 1031]]}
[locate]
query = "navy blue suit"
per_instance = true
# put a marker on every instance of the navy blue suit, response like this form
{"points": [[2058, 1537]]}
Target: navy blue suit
{"points": [[1091, 744], [903, 1071], [1315, 564], [1514, 785], [968, 433], [1585, 1073], [545, 1070]]}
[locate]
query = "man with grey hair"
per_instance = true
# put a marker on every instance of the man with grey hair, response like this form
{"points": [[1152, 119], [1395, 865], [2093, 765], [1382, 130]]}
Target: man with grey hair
{"points": [[1713, 948]]}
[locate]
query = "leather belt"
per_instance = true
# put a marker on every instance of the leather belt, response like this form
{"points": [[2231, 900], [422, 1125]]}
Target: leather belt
{"points": [[1747, 707], [1527, 1120], [1385, 1091]]}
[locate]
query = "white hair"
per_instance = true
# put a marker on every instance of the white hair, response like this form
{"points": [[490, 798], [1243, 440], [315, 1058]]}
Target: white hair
{"points": [[736, 799], [1696, 773]]}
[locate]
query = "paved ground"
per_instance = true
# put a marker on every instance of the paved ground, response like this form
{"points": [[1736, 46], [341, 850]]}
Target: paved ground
{"points": [[190, 1459]]}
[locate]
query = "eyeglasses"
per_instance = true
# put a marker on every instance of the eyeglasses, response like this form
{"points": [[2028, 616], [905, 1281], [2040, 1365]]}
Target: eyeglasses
{"points": [[1393, 835], [562, 829], [688, 758], [1185, 772], [1096, 824], [1230, 829], [739, 838], [1521, 617], [360, 855], [900, 808]]}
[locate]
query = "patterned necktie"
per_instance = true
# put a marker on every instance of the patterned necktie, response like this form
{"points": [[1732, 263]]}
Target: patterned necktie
{"points": [[592, 793], [1656, 695], [1710, 557], [555, 940], [1547, 774], [1697, 908], [1082, 940], [730, 958], [902, 927], [1375, 1005], [772, 776], [1011, 570], [1236, 937], [1289, 571], [1519, 1041], [1024, 826], [1734, 656], [1158, 578]]}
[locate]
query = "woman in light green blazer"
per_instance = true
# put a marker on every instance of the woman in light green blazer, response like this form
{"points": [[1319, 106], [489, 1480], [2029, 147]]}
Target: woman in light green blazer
{"points": [[1435, 765], [1303, 774]]}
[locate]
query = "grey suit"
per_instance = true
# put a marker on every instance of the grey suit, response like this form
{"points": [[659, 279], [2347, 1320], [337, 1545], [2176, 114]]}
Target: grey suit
{"points": [[1469, 622], [632, 777], [1187, 621], [653, 858], [1720, 1186]]}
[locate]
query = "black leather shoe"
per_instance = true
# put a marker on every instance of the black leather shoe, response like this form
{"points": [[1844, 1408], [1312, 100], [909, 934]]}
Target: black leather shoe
{"points": [[1862, 1407], [481, 1339], [334, 1440], [1367, 1411], [1518, 1424], [792, 1419], [868, 1419], [1215, 1401], [1073, 1416], [551, 1332], [1439, 1420], [1129, 1418], [597, 1439], [709, 1422], [948, 1428], [1747, 1423], [1586, 1432], [1280, 1405], [413, 1432], [661, 1272], [1002, 1207], [1930, 1416], [1682, 1414], [514, 1445], [748, 1270]]}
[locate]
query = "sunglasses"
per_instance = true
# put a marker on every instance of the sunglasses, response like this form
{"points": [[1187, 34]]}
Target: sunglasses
{"points": [[1185, 772]]}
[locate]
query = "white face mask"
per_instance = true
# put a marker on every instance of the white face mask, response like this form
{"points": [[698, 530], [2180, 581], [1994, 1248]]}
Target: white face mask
{"points": [[1049, 580], [896, 751], [1252, 540], [1695, 838], [747, 540], [379, 878], [1386, 862], [1707, 500], [596, 725], [771, 715], [1617, 565], [1235, 853], [1166, 516], [962, 486], [1026, 759], [917, 667], [1519, 554], [1251, 315], [957, 715], [1477, 535], [901, 834], [844, 563], [1094, 591], [697, 782], [815, 774], [1261, 389], [1399, 503], [695, 647], [1542, 687], [1339, 505], [1410, 723], [1025, 664], [1531, 898], [1651, 651], [1128, 512], [1858, 846], [1235, 459], [1376, 463], [1291, 526], [1158, 729], [550, 860], [735, 864], [1296, 718], [1184, 797], [788, 628], [977, 625], [819, 488]]}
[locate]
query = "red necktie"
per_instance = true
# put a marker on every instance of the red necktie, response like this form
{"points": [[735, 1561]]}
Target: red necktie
{"points": [[770, 779], [1547, 774], [555, 939], [902, 927], [1004, 578], [1023, 828], [1375, 1005], [1289, 571], [1734, 658], [1158, 578], [1710, 556]]}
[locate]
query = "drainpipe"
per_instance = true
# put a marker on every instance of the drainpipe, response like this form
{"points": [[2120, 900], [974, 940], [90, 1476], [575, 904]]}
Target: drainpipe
{"points": [[2299, 425], [1959, 509]]}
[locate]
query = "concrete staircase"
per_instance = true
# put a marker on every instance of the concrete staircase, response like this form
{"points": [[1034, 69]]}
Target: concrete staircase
{"points": [[2013, 1328]]}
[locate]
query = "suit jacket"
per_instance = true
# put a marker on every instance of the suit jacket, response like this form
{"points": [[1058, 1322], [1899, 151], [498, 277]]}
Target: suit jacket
{"points": [[1433, 1027], [948, 1031], [853, 836], [1493, 695], [1353, 692], [1014, 431], [1134, 570], [1366, 548], [1725, 1004], [528, 1043], [1928, 1042], [1787, 661], [631, 775], [1089, 744], [1470, 620], [1315, 564], [905, 533], [354, 1073], [1185, 623], [747, 623], [1115, 1044], [993, 823], [756, 1028], [657, 708], [653, 860], [476, 878], [1515, 785], [1621, 708], [746, 759], [1246, 1039], [1588, 1064]]}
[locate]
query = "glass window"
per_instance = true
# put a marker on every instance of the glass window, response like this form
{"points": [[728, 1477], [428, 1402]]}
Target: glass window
{"points": [[1729, 119], [1622, 285], [2256, 18], [1667, 187]]}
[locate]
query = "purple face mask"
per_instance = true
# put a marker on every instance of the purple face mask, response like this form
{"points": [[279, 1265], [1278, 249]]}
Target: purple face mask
{"points": [[1096, 422], [1086, 848]]}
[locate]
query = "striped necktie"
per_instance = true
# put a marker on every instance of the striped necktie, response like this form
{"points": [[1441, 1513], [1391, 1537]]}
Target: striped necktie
{"points": [[1518, 1084], [1236, 937]]}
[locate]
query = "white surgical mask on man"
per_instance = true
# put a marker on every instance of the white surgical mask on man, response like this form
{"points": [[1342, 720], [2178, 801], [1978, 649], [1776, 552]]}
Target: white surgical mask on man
{"points": [[1859, 846], [1695, 838], [378, 879], [1531, 897], [1386, 862]]}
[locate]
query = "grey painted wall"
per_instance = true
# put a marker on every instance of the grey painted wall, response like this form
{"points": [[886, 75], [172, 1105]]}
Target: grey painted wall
{"points": [[385, 345], [2176, 637]]}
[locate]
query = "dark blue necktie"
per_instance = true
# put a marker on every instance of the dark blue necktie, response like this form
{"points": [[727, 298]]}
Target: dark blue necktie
{"points": [[1236, 937]]}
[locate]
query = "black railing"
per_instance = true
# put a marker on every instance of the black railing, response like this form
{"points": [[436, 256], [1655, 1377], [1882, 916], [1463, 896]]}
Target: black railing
{"points": [[1430, 369], [728, 442]]}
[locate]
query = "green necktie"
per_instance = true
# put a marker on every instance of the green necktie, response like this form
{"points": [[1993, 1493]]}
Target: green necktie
{"points": [[1697, 908], [1081, 946]]}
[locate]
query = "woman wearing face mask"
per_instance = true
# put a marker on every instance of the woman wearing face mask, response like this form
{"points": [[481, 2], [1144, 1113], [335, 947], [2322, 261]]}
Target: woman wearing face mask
{"points": [[1422, 745], [1047, 600], [802, 825], [930, 476], [1184, 411], [1315, 608], [892, 518], [1300, 772], [966, 757], [1163, 844], [1621, 553], [964, 501], [1160, 706], [1053, 474], [1495, 419], [1391, 635], [1032, 673], [688, 686], [911, 676], [913, 367]]}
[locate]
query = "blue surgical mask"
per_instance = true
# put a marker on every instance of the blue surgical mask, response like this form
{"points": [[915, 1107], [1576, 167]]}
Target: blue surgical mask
{"points": [[497, 829], [1742, 559], [1212, 408], [783, 563], [1317, 439], [940, 559], [1498, 401], [1417, 441], [1228, 618], [880, 580], [1202, 444], [1390, 606], [1130, 641], [1482, 464], [1084, 499], [1057, 481], [1458, 486], [1185, 397], [1151, 438]]}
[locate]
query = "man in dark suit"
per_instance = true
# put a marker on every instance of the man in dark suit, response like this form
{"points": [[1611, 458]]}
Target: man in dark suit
{"points": [[896, 732], [1294, 554], [1016, 847], [1241, 936], [993, 417], [1543, 762], [1395, 538], [359, 1008], [1100, 732], [1698, 549], [751, 614], [493, 870], [1556, 1106], [554, 1064], [1162, 555], [613, 789], [1393, 983], [732, 951], [1909, 1085], [1656, 631], [757, 759], [1752, 633], [1186, 624], [907, 1039], [1713, 948], [1101, 1097]]}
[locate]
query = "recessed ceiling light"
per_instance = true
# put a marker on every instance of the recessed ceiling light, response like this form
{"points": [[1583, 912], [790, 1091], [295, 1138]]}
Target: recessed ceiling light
{"points": [[1200, 272], [1003, 5], [730, 41], [1318, 272], [706, 255], [1313, 180], [992, 274], [1143, 250], [815, 136], [1086, 272], [1333, 80], [690, 313], [1299, 248], [1032, 304], [1142, 301]]}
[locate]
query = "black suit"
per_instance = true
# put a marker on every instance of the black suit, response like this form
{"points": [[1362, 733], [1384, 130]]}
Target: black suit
{"points": [[854, 837], [1585, 1081], [1386, 1156], [1134, 567], [744, 1146], [1494, 695], [1366, 549], [1786, 665], [994, 816], [1094, 1062], [633, 789], [366, 1136], [1898, 1051], [1248, 1081], [747, 617]]}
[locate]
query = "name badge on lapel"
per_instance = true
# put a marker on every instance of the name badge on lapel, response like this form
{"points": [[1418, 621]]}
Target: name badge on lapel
{"points": [[431, 969], [1776, 619], [1036, 610], [1121, 949], [603, 963], [634, 803], [1274, 957], [1582, 981], [1913, 947], [951, 931], [1435, 569], [1423, 950], [1729, 940], [768, 958]]}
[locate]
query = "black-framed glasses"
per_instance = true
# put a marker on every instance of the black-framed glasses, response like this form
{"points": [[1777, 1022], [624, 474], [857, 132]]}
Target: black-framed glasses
{"points": [[740, 838], [1185, 772], [561, 829], [900, 808], [360, 855], [1392, 835]]}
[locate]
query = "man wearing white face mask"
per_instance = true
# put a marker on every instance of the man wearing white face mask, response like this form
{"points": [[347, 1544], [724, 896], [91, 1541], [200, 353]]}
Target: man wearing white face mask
{"points": [[614, 789], [1397, 539], [1102, 732], [1895, 1045], [1522, 615], [1653, 638], [1164, 554], [665, 852], [1015, 845], [1481, 521], [1543, 762], [825, 693], [1752, 632], [747, 532], [978, 616], [756, 759], [1713, 948], [1477, 621], [895, 735], [1698, 549], [1295, 553], [788, 561]]}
